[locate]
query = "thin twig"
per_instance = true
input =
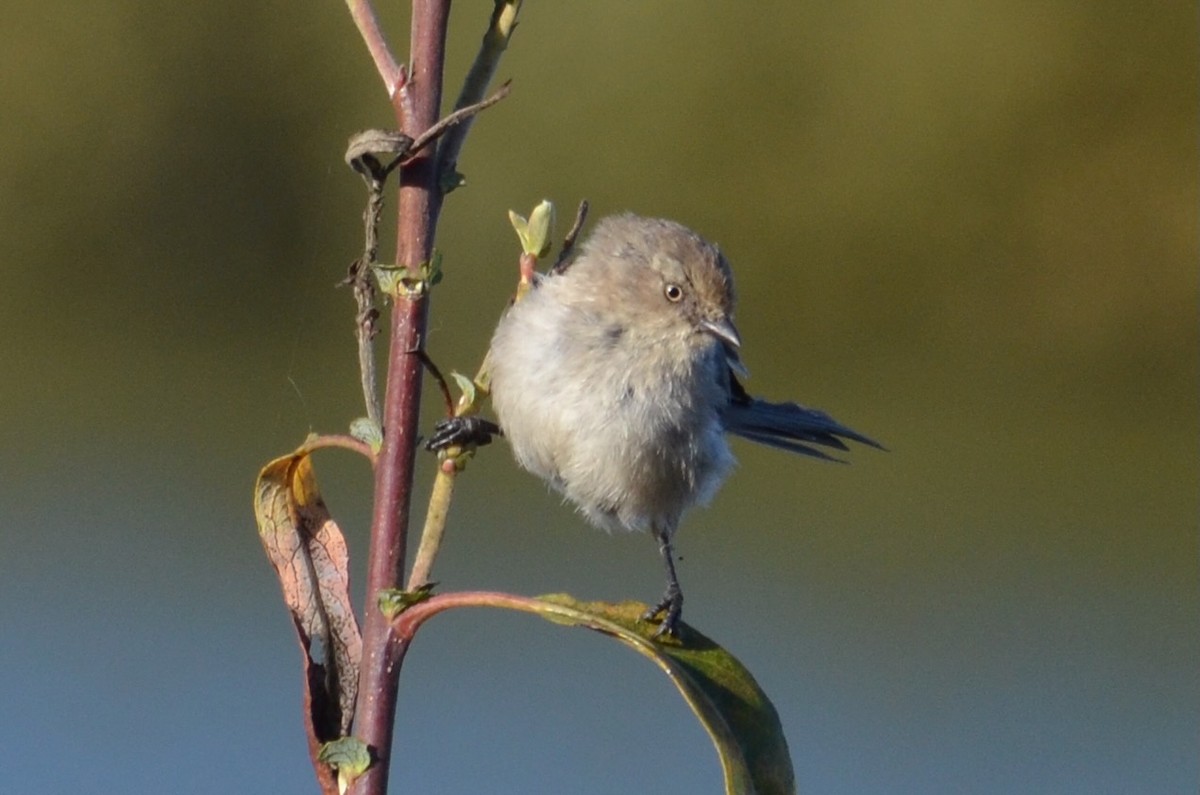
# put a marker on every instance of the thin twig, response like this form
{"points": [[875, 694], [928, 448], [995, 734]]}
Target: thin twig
{"points": [[361, 156], [460, 117], [442, 492], [495, 41], [447, 398], [435, 524], [451, 459], [362, 282], [393, 74], [568, 245], [365, 330]]}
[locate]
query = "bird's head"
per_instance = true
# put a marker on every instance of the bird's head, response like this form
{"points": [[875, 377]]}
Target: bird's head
{"points": [[668, 279]]}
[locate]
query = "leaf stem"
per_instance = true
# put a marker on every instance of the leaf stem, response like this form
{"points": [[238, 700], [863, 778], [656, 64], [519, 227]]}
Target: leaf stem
{"points": [[339, 440], [409, 621]]}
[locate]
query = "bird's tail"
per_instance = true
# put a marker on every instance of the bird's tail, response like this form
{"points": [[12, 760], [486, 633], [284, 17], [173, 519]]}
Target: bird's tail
{"points": [[791, 427]]}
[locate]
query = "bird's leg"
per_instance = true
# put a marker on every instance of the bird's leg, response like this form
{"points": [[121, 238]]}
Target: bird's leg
{"points": [[671, 605], [462, 432]]}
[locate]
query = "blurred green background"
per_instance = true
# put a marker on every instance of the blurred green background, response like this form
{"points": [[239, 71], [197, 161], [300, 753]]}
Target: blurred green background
{"points": [[967, 229]]}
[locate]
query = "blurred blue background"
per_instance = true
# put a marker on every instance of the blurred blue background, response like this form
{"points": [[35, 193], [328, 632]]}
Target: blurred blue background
{"points": [[967, 229]]}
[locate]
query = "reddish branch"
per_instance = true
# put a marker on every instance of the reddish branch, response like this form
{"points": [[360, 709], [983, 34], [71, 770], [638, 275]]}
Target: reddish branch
{"points": [[417, 102]]}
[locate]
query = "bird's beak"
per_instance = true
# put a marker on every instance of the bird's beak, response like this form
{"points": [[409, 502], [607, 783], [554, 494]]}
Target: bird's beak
{"points": [[723, 329]]}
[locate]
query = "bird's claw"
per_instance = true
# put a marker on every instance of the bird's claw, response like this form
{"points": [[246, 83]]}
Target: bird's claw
{"points": [[670, 607], [462, 432]]}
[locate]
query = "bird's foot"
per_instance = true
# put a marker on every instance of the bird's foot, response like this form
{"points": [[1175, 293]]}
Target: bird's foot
{"points": [[670, 607], [462, 432]]}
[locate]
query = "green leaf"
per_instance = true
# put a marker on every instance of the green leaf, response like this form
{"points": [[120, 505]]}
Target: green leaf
{"points": [[397, 281], [539, 229], [367, 430], [393, 601], [534, 232], [467, 387], [349, 756], [738, 716], [520, 225], [432, 270], [389, 278], [734, 711], [451, 180]]}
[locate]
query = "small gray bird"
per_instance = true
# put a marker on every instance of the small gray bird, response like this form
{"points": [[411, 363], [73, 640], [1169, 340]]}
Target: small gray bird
{"points": [[614, 381]]}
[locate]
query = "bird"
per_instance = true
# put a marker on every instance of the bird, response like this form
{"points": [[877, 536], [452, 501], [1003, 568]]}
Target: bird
{"points": [[615, 379]]}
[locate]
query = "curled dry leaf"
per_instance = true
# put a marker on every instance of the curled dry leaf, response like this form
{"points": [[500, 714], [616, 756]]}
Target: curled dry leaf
{"points": [[308, 552]]}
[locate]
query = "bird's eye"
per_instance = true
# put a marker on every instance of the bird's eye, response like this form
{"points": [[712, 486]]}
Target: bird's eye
{"points": [[673, 292]]}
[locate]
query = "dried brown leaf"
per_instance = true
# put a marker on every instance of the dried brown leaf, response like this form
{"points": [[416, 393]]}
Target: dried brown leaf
{"points": [[308, 552]]}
